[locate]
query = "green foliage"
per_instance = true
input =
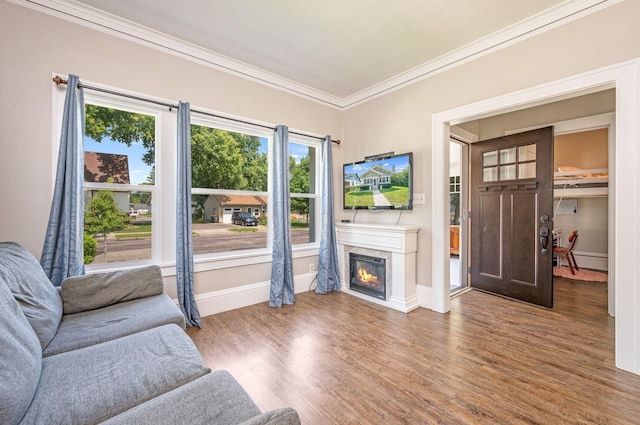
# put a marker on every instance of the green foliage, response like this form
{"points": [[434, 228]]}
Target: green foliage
{"points": [[140, 198], [90, 248], [262, 220], [103, 216], [401, 178], [122, 126], [226, 160], [299, 183]]}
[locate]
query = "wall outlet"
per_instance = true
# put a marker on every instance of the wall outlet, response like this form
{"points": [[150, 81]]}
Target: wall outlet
{"points": [[312, 268], [418, 198]]}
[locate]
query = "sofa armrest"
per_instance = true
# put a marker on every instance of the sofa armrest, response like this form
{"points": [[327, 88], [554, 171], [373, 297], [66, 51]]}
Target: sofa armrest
{"points": [[283, 416], [89, 292]]}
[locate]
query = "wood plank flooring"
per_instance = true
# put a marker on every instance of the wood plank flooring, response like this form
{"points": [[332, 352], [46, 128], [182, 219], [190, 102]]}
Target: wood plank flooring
{"points": [[338, 359]]}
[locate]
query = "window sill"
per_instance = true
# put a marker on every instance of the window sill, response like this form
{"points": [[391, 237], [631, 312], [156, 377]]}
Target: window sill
{"points": [[206, 262]]}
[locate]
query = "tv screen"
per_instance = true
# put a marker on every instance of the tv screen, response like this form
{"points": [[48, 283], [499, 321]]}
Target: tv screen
{"points": [[384, 183]]}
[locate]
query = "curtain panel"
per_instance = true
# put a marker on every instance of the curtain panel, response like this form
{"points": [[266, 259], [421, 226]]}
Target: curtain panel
{"points": [[63, 250], [184, 241], [281, 291], [328, 272]]}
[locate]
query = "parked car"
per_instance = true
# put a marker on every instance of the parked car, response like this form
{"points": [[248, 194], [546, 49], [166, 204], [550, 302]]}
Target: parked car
{"points": [[134, 213], [244, 219]]}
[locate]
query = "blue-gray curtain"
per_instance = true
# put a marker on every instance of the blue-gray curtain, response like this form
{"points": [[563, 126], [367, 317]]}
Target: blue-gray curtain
{"points": [[184, 242], [63, 250], [328, 272], [282, 263]]}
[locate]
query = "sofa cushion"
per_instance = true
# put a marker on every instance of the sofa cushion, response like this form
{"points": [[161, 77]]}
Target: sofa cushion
{"points": [[20, 359], [92, 384], [38, 298], [93, 327], [82, 293], [216, 398]]}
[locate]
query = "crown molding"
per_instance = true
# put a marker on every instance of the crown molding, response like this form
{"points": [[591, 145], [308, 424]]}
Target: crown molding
{"points": [[116, 26], [564, 13], [113, 25]]}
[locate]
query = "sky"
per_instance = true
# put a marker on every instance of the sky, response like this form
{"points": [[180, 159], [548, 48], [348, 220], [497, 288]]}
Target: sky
{"points": [[138, 170]]}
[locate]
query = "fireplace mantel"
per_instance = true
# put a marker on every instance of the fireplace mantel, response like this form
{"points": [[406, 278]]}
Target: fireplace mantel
{"points": [[395, 241]]}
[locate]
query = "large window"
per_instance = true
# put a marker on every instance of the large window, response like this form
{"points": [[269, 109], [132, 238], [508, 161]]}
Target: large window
{"points": [[230, 193], [302, 184], [119, 178], [229, 175], [130, 187]]}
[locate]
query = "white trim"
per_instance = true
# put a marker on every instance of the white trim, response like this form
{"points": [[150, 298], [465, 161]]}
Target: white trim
{"points": [[110, 24], [215, 302], [590, 260], [625, 77]]}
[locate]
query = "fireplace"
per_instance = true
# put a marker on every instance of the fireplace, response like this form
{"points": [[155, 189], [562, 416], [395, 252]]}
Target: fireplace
{"points": [[368, 275]]}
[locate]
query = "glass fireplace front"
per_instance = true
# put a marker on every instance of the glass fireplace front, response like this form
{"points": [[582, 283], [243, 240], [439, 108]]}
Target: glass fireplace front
{"points": [[368, 275]]}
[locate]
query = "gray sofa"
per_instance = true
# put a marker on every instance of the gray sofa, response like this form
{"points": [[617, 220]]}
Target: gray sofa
{"points": [[106, 348]]}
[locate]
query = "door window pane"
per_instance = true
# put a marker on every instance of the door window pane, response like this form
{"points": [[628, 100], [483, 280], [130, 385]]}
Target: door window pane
{"points": [[508, 172], [527, 170], [490, 174], [507, 156], [527, 153], [489, 158]]}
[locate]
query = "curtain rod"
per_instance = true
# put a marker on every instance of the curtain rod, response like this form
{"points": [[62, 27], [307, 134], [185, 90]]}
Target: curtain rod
{"points": [[58, 80]]}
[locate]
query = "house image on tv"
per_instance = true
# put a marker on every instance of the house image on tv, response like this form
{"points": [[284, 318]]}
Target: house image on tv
{"points": [[376, 176], [352, 180], [104, 167]]}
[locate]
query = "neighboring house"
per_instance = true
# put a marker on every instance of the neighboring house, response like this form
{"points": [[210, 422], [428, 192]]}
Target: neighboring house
{"points": [[352, 179], [218, 208], [107, 167], [376, 176]]}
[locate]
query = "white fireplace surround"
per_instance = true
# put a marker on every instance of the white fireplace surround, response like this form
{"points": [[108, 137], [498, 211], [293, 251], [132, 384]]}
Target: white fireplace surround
{"points": [[397, 244]]}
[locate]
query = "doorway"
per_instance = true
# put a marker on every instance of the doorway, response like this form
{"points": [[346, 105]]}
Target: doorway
{"points": [[458, 218], [624, 78]]}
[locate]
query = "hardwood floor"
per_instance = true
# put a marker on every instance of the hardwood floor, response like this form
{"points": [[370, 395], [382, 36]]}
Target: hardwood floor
{"points": [[338, 359]]}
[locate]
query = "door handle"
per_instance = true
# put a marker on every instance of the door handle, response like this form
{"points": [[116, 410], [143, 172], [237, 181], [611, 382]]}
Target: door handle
{"points": [[544, 240]]}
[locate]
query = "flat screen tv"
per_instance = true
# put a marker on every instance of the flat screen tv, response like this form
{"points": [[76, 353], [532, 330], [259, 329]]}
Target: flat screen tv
{"points": [[382, 183]]}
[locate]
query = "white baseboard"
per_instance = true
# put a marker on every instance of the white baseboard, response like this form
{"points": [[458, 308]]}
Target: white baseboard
{"points": [[590, 260], [424, 294], [243, 296]]}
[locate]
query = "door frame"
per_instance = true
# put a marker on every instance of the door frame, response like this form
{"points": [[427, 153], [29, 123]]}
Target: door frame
{"points": [[625, 79]]}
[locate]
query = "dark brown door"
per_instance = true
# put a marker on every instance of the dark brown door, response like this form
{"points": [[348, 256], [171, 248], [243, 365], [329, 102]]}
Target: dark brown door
{"points": [[511, 214]]}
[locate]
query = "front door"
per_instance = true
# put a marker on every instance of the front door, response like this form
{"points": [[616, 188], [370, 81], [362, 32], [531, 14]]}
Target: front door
{"points": [[511, 216]]}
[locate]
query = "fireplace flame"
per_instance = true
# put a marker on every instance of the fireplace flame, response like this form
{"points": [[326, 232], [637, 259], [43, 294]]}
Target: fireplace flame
{"points": [[366, 277]]}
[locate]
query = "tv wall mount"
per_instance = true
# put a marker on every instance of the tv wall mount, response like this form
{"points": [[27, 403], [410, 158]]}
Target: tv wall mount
{"points": [[378, 156]]}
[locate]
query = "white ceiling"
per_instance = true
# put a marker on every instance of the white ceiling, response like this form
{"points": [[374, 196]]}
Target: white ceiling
{"points": [[336, 51]]}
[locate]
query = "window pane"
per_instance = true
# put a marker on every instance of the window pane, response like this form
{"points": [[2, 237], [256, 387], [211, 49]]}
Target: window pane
{"points": [[527, 170], [302, 220], [527, 153], [119, 146], [490, 174], [507, 156], [489, 158], [508, 172], [222, 159], [228, 223], [117, 226], [301, 168]]}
